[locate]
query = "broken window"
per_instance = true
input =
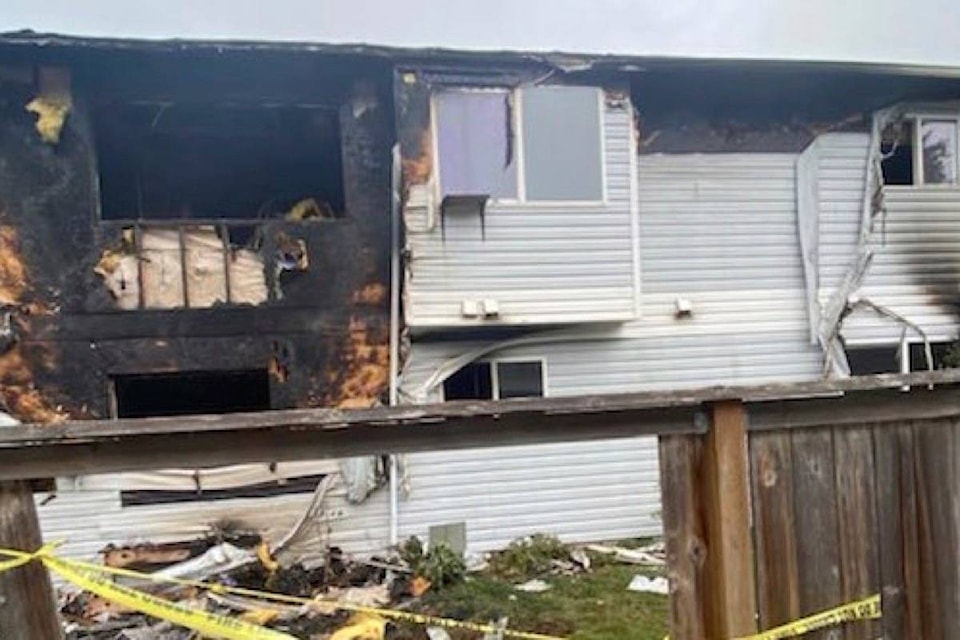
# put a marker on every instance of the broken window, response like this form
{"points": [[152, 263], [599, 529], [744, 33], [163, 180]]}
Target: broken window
{"points": [[191, 392], [497, 380], [939, 138], [869, 360], [921, 151], [220, 162], [896, 148], [480, 134], [561, 144], [474, 141]]}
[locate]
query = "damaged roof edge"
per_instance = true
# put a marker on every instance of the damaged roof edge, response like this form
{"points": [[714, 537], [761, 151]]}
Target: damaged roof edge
{"points": [[561, 60]]}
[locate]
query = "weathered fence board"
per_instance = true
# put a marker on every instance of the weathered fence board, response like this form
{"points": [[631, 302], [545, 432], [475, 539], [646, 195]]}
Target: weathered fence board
{"points": [[840, 510]]}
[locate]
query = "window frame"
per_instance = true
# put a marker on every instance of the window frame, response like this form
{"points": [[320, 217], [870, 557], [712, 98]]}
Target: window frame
{"points": [[495, 379], [915, 121], [516, 125]]}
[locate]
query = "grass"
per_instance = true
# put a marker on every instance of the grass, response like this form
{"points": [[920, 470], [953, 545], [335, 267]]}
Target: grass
{"points": [[589, 606]]}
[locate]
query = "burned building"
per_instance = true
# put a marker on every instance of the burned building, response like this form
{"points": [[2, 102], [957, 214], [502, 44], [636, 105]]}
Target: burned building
{"points": [[193, 227]]}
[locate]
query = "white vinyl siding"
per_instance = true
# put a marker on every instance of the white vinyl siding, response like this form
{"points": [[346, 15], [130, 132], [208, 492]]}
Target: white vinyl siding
{"points": [[719, 230], [543, 263], [915, 270]]}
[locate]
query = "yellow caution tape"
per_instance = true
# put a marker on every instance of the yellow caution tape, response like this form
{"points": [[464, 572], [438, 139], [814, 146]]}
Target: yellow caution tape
{"points": [[92, 577], [209, 624], [866, 609]]}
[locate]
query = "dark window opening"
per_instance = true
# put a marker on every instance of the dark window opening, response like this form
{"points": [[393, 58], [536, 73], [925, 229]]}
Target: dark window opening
{"points": [[495, 381], [186, 393], [199, 392], [472, 382], [208, 161], [866, 361], [302, 484], [896, 148]]}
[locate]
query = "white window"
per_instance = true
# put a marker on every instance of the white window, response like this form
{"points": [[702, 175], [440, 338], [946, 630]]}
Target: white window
{"points": [[496, 380], [535, 144], [921, 150], [939, 151]]}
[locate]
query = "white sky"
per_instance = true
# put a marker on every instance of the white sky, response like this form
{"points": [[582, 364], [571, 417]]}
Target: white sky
{"points": [[917, 31]]}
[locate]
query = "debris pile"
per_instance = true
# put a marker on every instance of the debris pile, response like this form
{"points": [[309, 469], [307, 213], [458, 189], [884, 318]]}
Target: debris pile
{"points": [[329, 595], [245, 561]]}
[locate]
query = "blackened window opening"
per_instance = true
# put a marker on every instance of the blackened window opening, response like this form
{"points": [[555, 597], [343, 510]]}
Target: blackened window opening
{"points": [[207, 161], [186, 393], [472, 382], [896, 149]]}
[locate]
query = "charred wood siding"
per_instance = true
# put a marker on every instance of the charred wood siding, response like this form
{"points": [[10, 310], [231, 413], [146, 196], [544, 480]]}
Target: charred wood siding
{"points": [[323, 332]]}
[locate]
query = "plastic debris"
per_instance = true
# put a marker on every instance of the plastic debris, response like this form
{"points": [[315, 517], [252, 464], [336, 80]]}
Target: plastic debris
{"points": [[533, 586], [645, 584]]}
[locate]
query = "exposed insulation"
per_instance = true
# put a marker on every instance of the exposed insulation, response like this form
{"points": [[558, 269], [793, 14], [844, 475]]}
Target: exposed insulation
{"points": [[206, 275], [120, 274], [310, 208], [162, 269], [248, 281], [51, 115]]}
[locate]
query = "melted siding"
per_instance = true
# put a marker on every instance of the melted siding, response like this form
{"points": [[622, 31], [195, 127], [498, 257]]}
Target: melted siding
{"points": [[916, 268]]}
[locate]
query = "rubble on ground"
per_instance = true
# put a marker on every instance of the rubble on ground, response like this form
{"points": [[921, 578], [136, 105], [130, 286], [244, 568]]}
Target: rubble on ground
{"points": [[246, 561]]}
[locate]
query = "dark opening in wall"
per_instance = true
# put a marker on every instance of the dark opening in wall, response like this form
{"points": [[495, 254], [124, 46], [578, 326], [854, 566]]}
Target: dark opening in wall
{"points": [[472, 382], [210, 161], [195, 392], [886, 358], [896, 148]]}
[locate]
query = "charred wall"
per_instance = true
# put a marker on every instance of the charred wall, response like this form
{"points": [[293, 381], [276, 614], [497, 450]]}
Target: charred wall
{"points": [[717, 108], [321, 328]]}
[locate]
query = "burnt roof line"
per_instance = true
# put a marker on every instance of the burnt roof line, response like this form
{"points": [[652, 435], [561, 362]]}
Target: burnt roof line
{"points": [[564, 61]]}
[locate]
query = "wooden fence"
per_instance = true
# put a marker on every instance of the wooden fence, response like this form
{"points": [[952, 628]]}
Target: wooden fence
{"points": [[778, 500], [788, 508]]}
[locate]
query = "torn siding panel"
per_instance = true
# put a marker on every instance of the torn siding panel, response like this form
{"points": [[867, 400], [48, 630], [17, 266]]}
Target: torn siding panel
{"points": [[916, 267], [545, 263], [915, 270], [88, 520]]}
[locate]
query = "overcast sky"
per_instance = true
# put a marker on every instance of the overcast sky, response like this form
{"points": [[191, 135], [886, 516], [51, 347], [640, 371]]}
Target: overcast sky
{"points": [[917, 31]]}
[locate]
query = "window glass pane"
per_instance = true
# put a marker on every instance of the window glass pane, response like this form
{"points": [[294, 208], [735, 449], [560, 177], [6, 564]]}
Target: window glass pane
{"points": [[520, 379], [475, 144], [473, 382], [939, 151], [561, 144]]}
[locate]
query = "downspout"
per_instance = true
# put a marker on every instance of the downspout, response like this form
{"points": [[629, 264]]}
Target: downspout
{"points": [[394, 466]]}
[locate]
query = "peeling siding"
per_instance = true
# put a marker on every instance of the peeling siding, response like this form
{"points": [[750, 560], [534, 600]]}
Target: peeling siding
{"points": [[90, 519], [719, 230], [916, 268], [556, 263]]}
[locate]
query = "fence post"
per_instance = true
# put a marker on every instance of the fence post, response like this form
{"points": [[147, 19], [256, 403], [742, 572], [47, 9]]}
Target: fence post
{"points": [[730, 609], [28, 609]]}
